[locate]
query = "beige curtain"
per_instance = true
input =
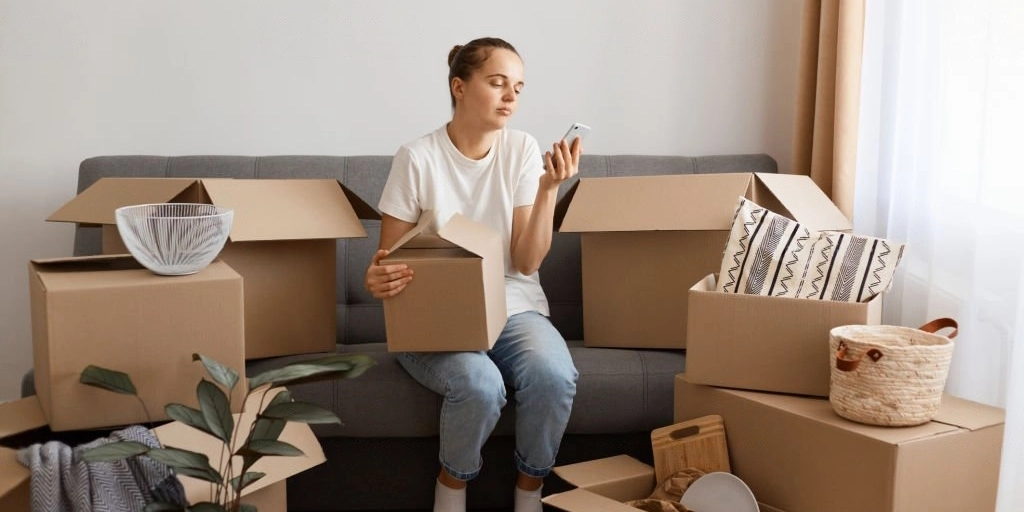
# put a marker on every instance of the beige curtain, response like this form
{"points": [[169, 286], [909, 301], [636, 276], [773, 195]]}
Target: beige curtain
{"points": [[828, 91]]}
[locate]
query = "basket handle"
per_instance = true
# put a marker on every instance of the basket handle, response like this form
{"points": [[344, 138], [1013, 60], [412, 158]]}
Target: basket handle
{"points": [[849, 365], [941, 323]]}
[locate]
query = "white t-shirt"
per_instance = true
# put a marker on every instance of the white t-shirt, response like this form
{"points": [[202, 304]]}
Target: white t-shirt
{"points": [[430, 173]]}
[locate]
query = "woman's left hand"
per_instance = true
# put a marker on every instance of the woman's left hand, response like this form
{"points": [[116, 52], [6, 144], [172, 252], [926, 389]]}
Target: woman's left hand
{"points": [[561, 163]]}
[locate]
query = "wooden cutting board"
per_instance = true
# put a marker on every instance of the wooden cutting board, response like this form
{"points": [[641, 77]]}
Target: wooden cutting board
{"points": [[698, 443]]}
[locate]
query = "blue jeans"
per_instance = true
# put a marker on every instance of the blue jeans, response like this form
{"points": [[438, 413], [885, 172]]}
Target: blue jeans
{"points": [[531, 356]]}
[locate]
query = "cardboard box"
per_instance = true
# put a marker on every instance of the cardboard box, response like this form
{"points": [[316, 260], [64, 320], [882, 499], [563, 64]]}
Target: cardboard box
{"points": [[456, 299], [797, 455], [268, 493], [605, 485], [282, 241], [645, 240], [755, 342], [111, 312]]}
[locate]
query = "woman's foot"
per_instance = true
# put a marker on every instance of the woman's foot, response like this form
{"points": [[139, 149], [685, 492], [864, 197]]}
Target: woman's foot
{"points": [[449, 494], [527, 497]]}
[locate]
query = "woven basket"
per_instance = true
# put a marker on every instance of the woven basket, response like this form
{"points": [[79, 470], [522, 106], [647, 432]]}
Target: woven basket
{"points": [[890, 375]]}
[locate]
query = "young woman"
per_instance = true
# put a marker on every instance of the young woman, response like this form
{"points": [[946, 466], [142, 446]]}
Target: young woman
{"points": [[475, 166]]}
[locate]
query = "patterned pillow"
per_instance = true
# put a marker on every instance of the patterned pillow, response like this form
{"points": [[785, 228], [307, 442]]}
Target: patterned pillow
{"points": [[769, 254]]}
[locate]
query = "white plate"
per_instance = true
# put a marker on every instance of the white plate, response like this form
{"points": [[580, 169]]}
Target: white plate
{"points": [[719, 492]]}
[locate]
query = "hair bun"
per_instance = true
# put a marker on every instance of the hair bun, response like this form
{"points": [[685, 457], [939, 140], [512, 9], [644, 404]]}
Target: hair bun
{"points": [[453, 53]]}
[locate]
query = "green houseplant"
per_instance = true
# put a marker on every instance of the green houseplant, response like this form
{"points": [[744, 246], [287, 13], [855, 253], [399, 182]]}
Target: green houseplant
{"points": [[214, 417]]}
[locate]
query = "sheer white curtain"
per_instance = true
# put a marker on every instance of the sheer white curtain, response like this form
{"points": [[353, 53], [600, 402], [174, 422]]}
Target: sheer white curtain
{"points": [[941, 167]]}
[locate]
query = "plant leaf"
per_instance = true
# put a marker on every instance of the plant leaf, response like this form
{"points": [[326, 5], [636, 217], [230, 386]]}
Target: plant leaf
{"points": [[267, 429], [338, 366], [187, 463], [110, 380], [222, 374], [241, 482], [162, 507], [206, 506], [264, 447], [303, 412], [189, 416], [119, 450], [216, 410]]}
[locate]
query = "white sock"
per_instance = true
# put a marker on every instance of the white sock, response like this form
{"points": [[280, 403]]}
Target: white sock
{"points": [[447, 499], [528, 501]]}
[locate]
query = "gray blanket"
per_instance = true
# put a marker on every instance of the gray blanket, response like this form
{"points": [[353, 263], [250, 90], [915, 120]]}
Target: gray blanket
{"points": [[62, 482]]}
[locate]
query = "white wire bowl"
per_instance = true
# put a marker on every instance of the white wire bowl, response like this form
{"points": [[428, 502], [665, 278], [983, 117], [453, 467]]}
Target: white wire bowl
{"points": [[174, 239]]}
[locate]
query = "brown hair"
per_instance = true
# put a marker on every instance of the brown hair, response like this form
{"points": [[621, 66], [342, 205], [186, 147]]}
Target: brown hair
{"points": [[463, 60]]}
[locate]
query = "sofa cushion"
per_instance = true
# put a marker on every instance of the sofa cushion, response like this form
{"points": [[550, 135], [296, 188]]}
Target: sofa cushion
{"points": [[386, 402]]}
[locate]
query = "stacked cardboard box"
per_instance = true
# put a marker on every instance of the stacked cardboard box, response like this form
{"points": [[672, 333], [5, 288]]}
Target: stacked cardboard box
{"points": [[650, 248], [645, 240], [797, 455], [282, 242], [111, 312], [271, 292]]}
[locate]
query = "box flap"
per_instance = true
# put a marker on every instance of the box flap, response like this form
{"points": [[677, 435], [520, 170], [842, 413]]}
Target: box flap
{"points": [[286, 209], [805, 201], [620, 477], [422, 235], [582, 500], [96, 204], [473, 236], [19, 416], [13, 479], [16, 417], [362, 208], [653, 203], [179, 435], [967, 414]]}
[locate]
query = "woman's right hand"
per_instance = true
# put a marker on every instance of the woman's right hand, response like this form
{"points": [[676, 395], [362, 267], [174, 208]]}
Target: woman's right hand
{"points": [[385, 281]]}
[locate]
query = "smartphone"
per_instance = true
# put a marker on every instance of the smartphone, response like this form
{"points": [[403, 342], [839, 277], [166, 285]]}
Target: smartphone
{"points": [[576, 130]]}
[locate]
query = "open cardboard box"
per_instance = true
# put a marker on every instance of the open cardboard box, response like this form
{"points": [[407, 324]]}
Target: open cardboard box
{"points": [[456, 299], [798, 455], [268, 493], [111, 312], [282, 242], [607, 484], [645, 240], [764, 343]]}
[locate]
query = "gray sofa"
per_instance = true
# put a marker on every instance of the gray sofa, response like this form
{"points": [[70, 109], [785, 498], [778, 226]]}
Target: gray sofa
{"points": [[384, 456]]}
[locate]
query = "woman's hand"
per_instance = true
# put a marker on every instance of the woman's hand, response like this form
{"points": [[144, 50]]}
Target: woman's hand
{"points": [[385, 281], [561, 163]]}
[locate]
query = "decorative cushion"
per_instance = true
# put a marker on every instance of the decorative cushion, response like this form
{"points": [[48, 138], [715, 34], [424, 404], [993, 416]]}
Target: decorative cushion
{"points": [[770, 254]]}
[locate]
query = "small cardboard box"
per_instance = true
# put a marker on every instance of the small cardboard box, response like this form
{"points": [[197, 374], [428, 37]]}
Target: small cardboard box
{"points": [[456, 299], [798, 455], [282, 242], [268, 493], [778, 344], [605, 484], [646, 239], [111, 312]]}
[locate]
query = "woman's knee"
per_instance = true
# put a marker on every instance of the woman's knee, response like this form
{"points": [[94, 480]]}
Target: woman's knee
{"points": [[552, 378], [481, 384]]}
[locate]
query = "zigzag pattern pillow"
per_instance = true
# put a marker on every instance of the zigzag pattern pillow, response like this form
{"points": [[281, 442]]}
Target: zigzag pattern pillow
{"points": [[769, 254]]}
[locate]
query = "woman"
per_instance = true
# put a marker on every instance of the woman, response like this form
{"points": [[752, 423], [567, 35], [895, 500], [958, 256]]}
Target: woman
{"points": [[475, 166]]}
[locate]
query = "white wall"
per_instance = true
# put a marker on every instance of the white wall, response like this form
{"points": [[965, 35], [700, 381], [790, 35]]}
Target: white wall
{"points": [[79, 79]]}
